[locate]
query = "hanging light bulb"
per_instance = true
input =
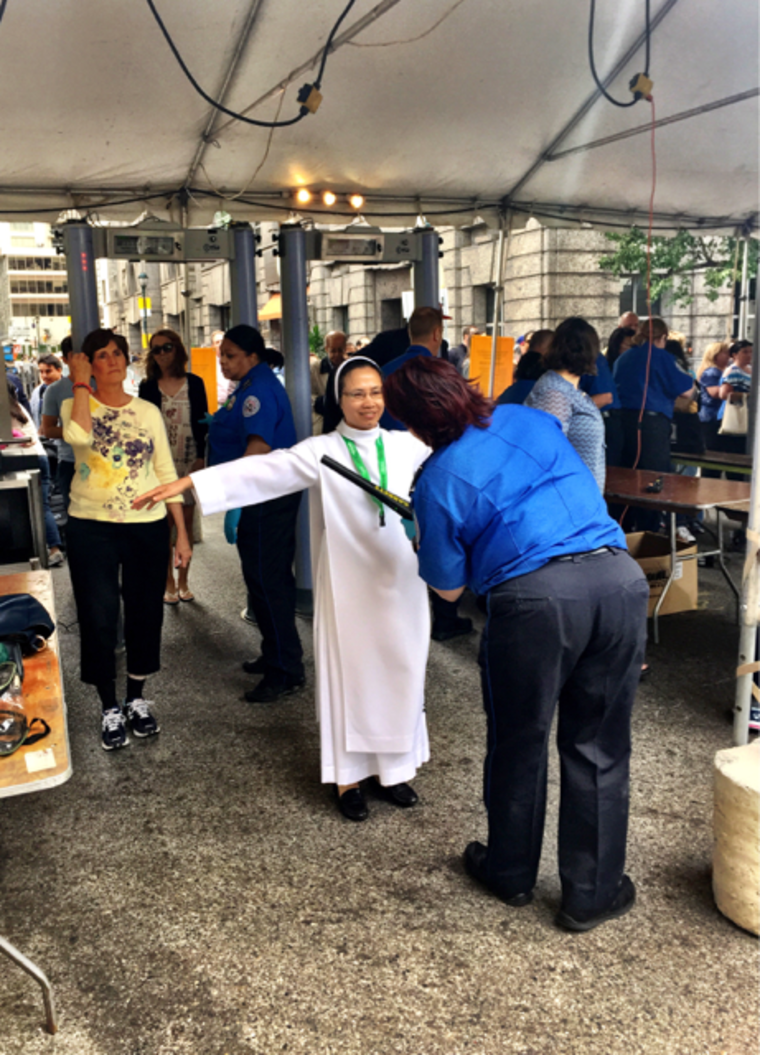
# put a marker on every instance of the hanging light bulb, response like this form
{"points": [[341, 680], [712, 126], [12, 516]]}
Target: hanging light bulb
{"points": [[303, 196], [356, 201], [329, 198]]}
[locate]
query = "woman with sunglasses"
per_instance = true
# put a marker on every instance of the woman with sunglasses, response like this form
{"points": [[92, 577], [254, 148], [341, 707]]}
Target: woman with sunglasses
{"points": [[181, 398]]}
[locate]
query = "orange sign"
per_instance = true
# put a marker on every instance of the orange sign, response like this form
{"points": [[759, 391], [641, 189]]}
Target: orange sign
{"points": [[204, 365], [480, 363]]}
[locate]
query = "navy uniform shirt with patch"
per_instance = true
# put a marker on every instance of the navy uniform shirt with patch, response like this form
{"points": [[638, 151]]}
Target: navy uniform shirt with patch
{"points": [[259, 406], [666, 379], [601, 383], [504, 501], [387, 421]]}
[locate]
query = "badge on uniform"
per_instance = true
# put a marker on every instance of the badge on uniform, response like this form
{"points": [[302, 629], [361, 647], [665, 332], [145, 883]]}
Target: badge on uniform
{"points": [[251, 406]]}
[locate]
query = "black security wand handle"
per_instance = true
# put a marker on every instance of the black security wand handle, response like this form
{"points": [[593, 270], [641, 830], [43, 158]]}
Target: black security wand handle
{"points": [[398, 505]]}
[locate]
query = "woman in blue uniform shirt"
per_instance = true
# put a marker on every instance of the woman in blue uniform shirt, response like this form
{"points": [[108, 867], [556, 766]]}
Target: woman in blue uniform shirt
{"points": [[255, 419], [505, 506]]}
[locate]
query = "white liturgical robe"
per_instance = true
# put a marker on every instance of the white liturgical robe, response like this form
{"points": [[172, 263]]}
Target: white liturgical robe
{"points": [[372, 620]]}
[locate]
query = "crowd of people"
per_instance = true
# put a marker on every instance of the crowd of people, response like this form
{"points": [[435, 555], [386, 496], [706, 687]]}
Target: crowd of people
{"points": [[507, 501]]}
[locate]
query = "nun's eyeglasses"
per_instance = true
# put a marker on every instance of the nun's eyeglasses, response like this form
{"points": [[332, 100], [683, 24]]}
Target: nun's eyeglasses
{"points": [[363, 393]]}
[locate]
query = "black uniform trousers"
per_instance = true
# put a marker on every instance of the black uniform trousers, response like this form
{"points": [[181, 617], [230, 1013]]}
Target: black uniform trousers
{"points": [[108, 560], [574, 631], [266, 541], [654, 455]]}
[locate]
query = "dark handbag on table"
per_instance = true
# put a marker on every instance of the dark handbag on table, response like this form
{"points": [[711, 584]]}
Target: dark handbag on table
{"points": [[25, 626]]}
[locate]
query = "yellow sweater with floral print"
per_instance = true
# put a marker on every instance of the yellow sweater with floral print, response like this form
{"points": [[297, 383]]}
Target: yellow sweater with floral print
{"points": [[126, 454]]}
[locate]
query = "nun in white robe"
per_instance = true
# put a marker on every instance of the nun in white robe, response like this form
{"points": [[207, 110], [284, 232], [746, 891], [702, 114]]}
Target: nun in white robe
{"points": [[372, 620]]}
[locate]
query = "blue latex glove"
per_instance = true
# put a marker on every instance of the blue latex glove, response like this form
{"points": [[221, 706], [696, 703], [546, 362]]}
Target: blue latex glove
{"points": [[410, 527], [206, 419], [231, 521]]}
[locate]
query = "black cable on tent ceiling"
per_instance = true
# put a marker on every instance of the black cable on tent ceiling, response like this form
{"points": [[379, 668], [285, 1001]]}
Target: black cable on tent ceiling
{"points": [[639, 90], [309, 96]]}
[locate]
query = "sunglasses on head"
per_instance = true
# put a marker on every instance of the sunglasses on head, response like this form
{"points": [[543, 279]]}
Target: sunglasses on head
{"points": [[157, 348]]}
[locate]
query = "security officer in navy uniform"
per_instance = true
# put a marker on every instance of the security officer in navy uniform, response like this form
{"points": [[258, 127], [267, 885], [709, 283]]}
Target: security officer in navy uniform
{"points": [[505, 505], [256, 419]]}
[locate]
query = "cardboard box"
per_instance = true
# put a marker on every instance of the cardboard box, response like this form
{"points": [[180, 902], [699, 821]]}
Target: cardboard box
{"points": [[652, 553]]}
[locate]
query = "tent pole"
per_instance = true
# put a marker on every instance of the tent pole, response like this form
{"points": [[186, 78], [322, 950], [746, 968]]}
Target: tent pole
{"points": [[295, 346], [499, 294], [749, 601], [744, 293]]}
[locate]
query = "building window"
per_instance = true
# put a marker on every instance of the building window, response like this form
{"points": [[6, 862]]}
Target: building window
{"points": [[633, 297], [36, 263], [391, 314], [340, 318], [483, 305], [31, 309], [750, 309]]}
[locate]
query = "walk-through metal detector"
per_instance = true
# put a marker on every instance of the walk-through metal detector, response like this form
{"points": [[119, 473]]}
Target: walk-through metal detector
{"points": [[156, 242], [355, 245]]}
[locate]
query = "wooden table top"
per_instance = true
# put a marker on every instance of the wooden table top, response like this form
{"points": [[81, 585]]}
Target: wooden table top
{"points": [[679, 494], [725, 458], [43, 698]]}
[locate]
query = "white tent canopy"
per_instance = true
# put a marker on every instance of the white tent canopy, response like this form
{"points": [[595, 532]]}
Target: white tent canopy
{"points": [[453, 125]]}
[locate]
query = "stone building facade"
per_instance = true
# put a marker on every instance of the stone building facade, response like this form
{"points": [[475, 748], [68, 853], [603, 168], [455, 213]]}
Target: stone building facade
{"points": [[550, 273]]}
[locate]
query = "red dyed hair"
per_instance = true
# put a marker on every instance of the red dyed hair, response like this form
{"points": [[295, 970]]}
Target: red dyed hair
{"points": [[433, 400]]}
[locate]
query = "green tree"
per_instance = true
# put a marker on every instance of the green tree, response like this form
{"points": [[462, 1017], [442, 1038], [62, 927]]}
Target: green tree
{"points": [[677, 258], [316, 342]]}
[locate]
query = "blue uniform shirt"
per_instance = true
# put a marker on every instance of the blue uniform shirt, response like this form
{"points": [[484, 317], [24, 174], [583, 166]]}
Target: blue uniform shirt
{"points": [[387, 421], [601, 382], [259, 406], [666, 379], [503, 501]]}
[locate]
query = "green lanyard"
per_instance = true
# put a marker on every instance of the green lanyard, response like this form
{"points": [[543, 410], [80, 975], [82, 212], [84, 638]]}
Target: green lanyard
{"points": [[362, 470]]}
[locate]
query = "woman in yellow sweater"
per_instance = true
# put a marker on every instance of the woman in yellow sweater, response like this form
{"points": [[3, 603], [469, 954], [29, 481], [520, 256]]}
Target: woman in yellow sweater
{"points": [[121, 448]]}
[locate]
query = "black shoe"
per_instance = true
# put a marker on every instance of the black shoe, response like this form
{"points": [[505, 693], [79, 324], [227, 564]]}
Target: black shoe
{"points": [[474, 863], [623, 902], [352, 805], [273, 686], [399, 794], [255, 666], [444, 630]]}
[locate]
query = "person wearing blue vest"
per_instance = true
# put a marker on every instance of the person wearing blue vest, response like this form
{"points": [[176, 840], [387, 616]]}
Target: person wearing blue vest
{"points": [[254, 420], [655, 381], [426, 336], [505, 505]]}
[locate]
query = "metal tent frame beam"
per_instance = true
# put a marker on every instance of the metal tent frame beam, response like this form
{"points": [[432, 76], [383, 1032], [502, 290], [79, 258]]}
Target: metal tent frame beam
{"points": [[578, 116]]}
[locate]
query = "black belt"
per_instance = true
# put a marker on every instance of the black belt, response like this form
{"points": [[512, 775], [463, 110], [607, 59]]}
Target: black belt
{"points": [[647, 413], [582, 556]]}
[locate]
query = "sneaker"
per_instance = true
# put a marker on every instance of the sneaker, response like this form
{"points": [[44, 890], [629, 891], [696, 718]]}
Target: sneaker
{"points": [[56, 559], [273, 686], [140, 719], [684, 535], [114, 730]]}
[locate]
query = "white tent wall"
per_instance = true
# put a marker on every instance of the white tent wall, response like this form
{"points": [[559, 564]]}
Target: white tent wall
{"points": [[448, 124]]}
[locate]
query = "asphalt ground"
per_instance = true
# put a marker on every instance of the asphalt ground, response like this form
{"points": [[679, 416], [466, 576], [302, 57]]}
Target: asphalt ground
{"points": [[199, 894]]}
